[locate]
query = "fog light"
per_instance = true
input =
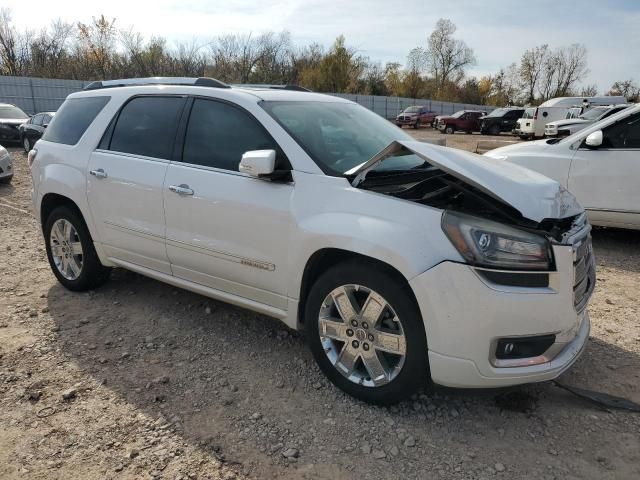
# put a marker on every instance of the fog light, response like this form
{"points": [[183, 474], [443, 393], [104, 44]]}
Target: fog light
{"points": [[523, 347]]}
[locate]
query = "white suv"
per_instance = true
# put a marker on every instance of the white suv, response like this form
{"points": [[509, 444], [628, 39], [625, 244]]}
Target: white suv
{"points": [[402, 261]]}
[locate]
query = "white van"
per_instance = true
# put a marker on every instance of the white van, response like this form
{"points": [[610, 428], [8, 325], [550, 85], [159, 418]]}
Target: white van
{"points": [[532, 123]]}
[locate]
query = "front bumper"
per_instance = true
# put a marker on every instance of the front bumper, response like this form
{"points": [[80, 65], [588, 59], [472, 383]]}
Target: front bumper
{"points": [[6, 167], [465, 314]]}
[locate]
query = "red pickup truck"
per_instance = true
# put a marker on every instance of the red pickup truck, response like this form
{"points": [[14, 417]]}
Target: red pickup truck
{"points": [[416, 117], [465, 120]]}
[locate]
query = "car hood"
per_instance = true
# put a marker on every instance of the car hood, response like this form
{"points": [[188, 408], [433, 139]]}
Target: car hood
{"points": [[570, 121], [409, 114], [535, 196]]}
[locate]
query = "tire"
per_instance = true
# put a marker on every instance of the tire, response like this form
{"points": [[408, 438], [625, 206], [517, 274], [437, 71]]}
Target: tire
{"points": [[6, 180], [90, 272], [403, 376], [26, 144], [494, 130], [449, 130], [417, 124]]}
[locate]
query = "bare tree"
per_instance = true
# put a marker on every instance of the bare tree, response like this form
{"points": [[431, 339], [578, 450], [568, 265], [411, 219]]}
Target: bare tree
{"points": [[446, 56], [571, 67], [589, 90], [15, 50], [532, 66], [626, 88]]}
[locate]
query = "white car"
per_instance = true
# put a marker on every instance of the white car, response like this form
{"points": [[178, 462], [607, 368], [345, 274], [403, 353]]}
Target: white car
{"points": [[569, 126], [6, 166], [402, 261], [600, 165]]}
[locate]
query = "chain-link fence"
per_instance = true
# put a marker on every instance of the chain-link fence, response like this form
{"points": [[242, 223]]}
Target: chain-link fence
{"points": [[35, 95]]}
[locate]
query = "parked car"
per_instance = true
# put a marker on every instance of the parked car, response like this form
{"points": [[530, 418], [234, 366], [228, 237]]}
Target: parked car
{"points": [[465, 120], [566, 127], [6, 166], [500, 120], [32, 130], [316, 211], [599, 165], [11, 117], [416, 117], [534, 119]]}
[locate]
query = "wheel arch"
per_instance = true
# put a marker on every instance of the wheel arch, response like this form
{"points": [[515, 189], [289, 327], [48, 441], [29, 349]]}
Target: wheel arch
{"points": [[325, 258]]}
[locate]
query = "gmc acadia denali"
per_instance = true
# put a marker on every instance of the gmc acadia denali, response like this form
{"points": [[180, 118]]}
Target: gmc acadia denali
{"points": [[404, 262]]}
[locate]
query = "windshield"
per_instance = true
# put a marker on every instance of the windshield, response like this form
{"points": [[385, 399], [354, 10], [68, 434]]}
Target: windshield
{"points": [[498, 112], [529, 113], [12, 112], [458, 114], [340, 136], [411, 110], [594, 113]]}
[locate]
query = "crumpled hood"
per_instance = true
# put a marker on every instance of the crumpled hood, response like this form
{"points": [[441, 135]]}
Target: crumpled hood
{"points": [[535, 196]]}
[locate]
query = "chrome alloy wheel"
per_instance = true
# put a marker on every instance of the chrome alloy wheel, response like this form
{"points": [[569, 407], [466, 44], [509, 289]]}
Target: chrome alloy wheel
{"points": [[362, 336], [66, 249]]}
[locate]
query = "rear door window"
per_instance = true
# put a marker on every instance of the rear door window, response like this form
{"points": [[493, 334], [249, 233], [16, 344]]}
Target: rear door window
{"points": [[147, 126], [73, 119]]}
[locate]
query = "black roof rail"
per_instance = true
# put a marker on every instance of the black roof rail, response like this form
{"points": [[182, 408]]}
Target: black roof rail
{"points": [[296, 88], [128, 82]]}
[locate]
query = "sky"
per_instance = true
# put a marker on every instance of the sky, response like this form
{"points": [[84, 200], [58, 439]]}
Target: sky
{"points": [[497, 30]]}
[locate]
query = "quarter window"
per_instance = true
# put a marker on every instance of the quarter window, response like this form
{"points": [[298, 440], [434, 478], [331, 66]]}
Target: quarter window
{"points": [[147, 126], [73, 119], [218, 134]]}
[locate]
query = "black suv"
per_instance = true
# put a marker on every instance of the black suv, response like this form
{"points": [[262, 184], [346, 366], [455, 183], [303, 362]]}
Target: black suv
{"points": [[500, 120]]}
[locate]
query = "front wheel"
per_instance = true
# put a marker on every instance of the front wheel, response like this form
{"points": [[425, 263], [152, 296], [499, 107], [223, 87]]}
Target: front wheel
{"points": [[70, 251], [449, 130], [26, 143], [494, 130], [366, 333], [417, 124]]}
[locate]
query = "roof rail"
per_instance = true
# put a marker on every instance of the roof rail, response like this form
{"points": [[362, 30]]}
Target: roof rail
{"points": [[198, 82], [297, 88]]}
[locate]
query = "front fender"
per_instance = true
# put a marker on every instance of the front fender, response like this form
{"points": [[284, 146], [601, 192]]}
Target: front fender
{"points": [[405, 235]]}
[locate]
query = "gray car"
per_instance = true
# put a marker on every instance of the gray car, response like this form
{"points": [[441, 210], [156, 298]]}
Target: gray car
{"points": [[6, 166]]}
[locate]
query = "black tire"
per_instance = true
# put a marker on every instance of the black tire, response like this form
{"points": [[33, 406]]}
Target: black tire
{"points": [[92, 273], [417, 124], [494, 130], [449, 129], [26, 144], [6, 180], [415, 371]]}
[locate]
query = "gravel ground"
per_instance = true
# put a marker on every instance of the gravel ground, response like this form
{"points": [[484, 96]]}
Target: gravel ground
{"points": [[141, 380]]}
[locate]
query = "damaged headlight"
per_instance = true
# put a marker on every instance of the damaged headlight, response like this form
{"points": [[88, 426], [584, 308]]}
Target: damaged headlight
{"points": [[490, 244]]}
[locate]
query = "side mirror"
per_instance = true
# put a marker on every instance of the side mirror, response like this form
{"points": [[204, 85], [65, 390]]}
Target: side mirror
{"points": [[594, 139], [258, 163]]}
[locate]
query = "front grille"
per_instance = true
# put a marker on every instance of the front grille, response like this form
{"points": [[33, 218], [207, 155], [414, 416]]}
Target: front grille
{"points": [[584, 271]]}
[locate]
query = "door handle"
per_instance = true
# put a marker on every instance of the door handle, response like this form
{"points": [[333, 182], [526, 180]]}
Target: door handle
{"points": [[181, 189], [99, 173]]}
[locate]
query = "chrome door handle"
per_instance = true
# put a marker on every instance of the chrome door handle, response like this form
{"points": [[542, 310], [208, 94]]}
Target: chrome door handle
{"points": [[181, 189], [99, 173]]}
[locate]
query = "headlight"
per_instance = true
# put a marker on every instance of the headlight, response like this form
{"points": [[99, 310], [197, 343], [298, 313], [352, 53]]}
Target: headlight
{"points": [[490, 244]]}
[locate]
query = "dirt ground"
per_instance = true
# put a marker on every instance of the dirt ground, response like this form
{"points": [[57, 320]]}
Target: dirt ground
{"points": [[140, 380]]}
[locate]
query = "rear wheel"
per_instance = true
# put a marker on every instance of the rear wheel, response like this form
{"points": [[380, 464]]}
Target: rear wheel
{"points": [[70, 251], [366, 333]]}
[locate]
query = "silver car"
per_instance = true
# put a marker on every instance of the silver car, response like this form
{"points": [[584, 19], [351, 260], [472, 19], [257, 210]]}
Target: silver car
{"points": [[6, 166]]}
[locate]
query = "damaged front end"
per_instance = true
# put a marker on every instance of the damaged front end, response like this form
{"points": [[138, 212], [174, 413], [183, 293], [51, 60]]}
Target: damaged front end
{"points": [[462, 182]]}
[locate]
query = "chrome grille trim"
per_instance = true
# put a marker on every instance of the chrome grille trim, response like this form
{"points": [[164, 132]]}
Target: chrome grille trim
{"points": [[584, 265]]}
